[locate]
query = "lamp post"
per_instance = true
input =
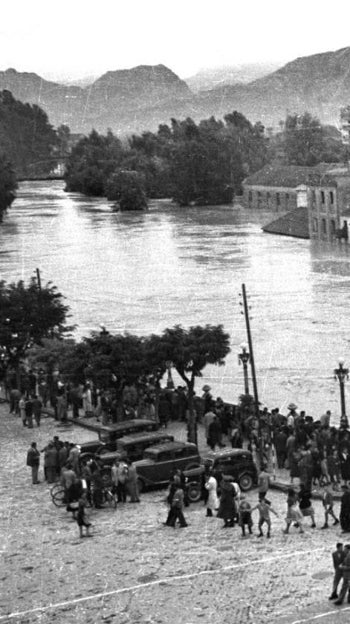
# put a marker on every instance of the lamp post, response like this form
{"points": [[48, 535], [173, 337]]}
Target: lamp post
{"points": [[169, 384], [243, 358], [342, 374]]}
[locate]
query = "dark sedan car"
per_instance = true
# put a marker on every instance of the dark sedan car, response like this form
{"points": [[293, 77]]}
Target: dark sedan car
{"points": [[109, 434], [237, 463], [159, 462]]}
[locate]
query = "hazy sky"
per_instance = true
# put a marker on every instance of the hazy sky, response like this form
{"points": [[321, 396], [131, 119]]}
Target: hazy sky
{"points": [[82, 37]]}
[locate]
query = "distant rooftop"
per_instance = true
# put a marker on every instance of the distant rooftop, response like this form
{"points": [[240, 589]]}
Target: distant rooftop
{"points": [[291, 176]]}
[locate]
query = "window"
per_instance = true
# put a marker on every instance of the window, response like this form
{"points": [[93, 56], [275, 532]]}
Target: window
{"points": [[333, 228], [314, 225], [324, 226], [268, 200], [278, 199], [331, 197], [322, 197], [250, 197]]}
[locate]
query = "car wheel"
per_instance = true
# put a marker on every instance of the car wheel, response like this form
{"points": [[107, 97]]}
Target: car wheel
{"points": [[140, 485], [245, 482], [194, 492]]}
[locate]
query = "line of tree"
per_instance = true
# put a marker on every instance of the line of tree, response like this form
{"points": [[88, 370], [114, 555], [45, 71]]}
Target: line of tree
{"points": [[202, 163], [304, 141], [33, 326]]}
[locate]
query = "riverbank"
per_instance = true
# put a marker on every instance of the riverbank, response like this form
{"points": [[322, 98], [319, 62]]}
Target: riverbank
{"points": [[135, 570]]}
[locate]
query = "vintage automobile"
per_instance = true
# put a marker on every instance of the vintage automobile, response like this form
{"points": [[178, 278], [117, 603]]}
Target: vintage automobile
{"points": [[109, 434], [132, 446], [237, 463], [159, 462]]}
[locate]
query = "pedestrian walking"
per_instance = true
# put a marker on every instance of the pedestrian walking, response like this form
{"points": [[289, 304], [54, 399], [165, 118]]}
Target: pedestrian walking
{"points": [[327, 502], [345, 567], [293, 513], [177, 506], [81, 517], [338, 557], [213, 501], [305, 505], [264, 508], [33, 460]]}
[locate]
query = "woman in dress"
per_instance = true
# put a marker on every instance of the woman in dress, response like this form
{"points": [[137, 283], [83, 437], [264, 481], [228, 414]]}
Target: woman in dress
{"points": [[213, 501], [227, 509]]}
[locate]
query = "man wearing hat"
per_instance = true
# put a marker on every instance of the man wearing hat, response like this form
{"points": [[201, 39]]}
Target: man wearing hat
{"points": [[207, 399], [292, 415]]}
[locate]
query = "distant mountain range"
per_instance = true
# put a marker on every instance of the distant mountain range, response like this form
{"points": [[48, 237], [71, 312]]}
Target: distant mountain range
{"points": [[214, 77], [141, 98]]}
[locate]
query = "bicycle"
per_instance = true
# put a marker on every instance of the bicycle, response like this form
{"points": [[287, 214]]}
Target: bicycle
{"points": [[58, 495]]}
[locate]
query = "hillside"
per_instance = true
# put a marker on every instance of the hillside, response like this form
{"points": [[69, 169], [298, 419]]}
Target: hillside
{"points": [[141, 98], [214, 77], [319, 84]]}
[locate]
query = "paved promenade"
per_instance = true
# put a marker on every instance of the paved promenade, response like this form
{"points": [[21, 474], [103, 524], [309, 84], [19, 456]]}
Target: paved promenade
{"points": [[135, 570]]}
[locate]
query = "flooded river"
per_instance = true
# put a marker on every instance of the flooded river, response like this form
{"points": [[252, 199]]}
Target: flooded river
{"points": [[143, 272]]}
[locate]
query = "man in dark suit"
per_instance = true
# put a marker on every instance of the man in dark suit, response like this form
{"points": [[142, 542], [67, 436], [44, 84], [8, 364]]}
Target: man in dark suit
{"points": [[338, 557]]}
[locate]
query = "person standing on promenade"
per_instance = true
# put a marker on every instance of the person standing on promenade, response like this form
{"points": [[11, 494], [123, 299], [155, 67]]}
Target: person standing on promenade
{"points": [[33, 460], [29, 412], [338, 557], [37, 407], [345, 567], [245, 515], [345, 509], [263, 482], [22, 410], [213, 501], [305, 504]]}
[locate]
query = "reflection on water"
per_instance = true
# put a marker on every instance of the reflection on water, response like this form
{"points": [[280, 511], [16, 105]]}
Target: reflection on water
{"points": [[143, 272]]}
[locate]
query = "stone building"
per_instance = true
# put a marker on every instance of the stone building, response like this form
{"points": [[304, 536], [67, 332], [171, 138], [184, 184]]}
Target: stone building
{"points": [[275, 187], [328, 203]]}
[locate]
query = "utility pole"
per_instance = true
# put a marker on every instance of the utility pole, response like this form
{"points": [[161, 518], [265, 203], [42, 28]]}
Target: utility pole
{"points": [[252, 364]]}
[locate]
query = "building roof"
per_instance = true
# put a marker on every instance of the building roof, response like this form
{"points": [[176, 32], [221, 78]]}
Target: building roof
{"points": [[294, 223], [291, 176]]}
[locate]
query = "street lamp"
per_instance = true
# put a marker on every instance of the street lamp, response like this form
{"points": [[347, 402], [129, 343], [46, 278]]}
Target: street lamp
{"points": [[243, 358], [342, 374]]}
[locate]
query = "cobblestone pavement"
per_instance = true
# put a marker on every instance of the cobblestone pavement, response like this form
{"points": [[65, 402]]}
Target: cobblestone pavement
{"points": [[135, 570]]}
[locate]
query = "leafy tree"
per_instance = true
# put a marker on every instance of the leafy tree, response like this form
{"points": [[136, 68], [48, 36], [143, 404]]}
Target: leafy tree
{"points": [[27, 315], [8, 185], [127, 188], [306, 142], [91, 163], [190, 351], [26, 136]]}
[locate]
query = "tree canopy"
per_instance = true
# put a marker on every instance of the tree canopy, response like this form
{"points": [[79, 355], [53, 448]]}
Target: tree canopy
{"points": [[200, 163], [8, 185], [26, 136], [27, 315], [307, 142]]}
